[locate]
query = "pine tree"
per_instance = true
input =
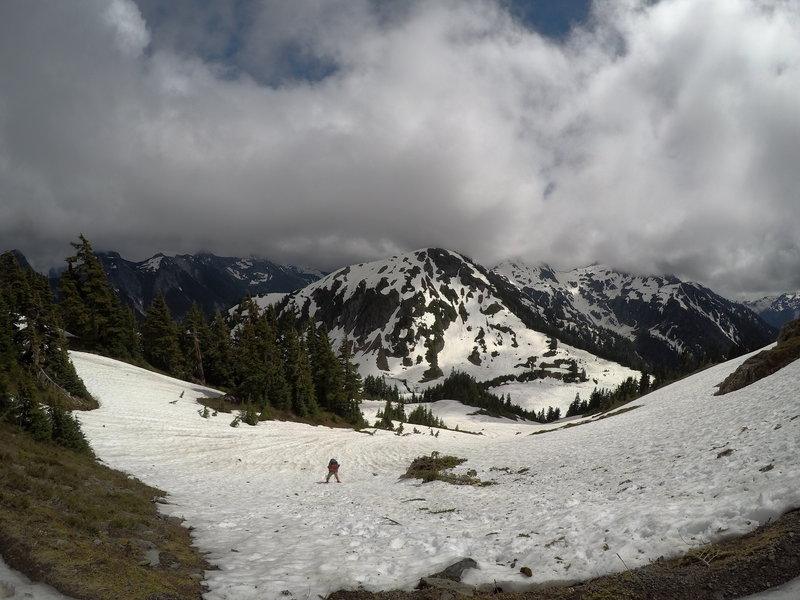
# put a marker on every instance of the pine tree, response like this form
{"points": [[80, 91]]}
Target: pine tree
{"points": [[31, 334], [193, 331], [298, 373], [574, 408], [279, 392], [258, 364], [384, 417], [424, 416], [215, 344], [160, 344], [326, 371], [29, 415], [7, 347], [352, 384], [66, 430], [644, 384], [90, 308]]}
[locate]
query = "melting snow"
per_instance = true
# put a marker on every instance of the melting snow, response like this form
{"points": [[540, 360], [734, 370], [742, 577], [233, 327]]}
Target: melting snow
{"points": [[646, 483]]}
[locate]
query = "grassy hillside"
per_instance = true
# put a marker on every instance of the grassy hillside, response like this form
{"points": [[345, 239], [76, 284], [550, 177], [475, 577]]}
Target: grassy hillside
{"points": [[91, 532]]}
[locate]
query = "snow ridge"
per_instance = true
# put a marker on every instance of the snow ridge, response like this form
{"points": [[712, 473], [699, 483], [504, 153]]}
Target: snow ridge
{"points": [[662, 315]]}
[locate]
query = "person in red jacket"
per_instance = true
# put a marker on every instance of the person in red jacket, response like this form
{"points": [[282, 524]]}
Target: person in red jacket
{"points": [[333, 469]]}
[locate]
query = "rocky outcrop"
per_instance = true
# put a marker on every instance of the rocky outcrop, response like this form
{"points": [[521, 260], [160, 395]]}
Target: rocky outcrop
{"points": [[767, 362], [448, 582]]}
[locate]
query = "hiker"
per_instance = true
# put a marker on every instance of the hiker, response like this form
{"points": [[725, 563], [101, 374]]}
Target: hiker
{"points": [[333, 469]]}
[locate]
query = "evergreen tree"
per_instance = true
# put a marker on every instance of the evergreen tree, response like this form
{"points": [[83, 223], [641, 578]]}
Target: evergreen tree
{"points": [[352, 384], [384, 417], [160, 344], [574, 408], [298, 373], [28, 415], [31, 334], [424, 416], [376, 388], [279, 391], [258, 365], [6, 404], [194, 330], [215, 344], [326, 372], [90, 308], [7, 347], [66, 430], [644, 384]]}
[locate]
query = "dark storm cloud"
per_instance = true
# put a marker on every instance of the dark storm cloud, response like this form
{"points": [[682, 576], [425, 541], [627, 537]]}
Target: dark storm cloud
{"points": [[656, 137]]}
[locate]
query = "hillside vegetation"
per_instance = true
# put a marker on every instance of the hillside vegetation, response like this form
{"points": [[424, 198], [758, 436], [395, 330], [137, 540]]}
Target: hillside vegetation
{"points": [[65, 518], [767, 362], [89, 531]]}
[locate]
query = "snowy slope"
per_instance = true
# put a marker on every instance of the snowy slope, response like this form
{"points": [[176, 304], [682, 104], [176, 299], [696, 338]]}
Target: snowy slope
{"points": [[415, 317], [663, 316], [651, 482]]}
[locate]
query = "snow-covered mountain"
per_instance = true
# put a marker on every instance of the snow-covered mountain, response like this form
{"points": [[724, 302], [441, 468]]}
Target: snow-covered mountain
{"points": [[417, 316], [214, 282], [665, 318], [776, 310]]}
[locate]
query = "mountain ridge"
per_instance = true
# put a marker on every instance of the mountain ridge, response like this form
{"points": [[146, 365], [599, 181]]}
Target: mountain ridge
{"points": [[630, 320], [417, 315], [664, 317], [215, 283], [776, 310]]}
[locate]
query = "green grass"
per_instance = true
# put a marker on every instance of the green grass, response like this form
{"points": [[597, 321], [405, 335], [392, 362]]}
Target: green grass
{"points": [[437, 468], [69, 521]]}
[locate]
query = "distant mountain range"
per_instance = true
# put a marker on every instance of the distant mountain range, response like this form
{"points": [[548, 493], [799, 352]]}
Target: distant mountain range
{"points": [[215, 283], [662, 316], [420, 314], [777, 310]]}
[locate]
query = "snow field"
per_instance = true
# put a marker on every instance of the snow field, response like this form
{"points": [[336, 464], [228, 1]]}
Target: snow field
{"points": [[654, 481]]}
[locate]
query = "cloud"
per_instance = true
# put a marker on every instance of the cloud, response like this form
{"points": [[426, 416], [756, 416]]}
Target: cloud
{"points": [[655, 137]]}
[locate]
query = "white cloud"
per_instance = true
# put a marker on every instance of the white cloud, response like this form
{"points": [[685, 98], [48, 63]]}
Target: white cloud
{"points": [[656, 137], [125, 20]]}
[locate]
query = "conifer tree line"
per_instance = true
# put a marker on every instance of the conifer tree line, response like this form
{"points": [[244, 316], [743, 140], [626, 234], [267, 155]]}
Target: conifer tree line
{"points": [[464, 388], [37, 379], [603, 399], [268, 365]]}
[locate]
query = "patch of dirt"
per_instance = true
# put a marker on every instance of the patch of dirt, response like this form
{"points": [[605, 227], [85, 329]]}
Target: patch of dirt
{"points": [[764, 558]]}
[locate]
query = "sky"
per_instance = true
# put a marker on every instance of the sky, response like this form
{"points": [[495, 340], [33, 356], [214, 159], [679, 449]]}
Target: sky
{"points": [[571, 504], [657, 137]]}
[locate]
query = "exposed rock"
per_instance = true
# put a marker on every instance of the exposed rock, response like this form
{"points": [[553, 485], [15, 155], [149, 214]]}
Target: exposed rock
{"points": [[454, 571], [152, 555], [767, 362], [450, 589]]}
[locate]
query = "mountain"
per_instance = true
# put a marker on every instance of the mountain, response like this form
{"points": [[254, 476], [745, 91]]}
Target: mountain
{"points": [[777, 310], [666, 319], [21, 260], [417, 316], [213, 282]]}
